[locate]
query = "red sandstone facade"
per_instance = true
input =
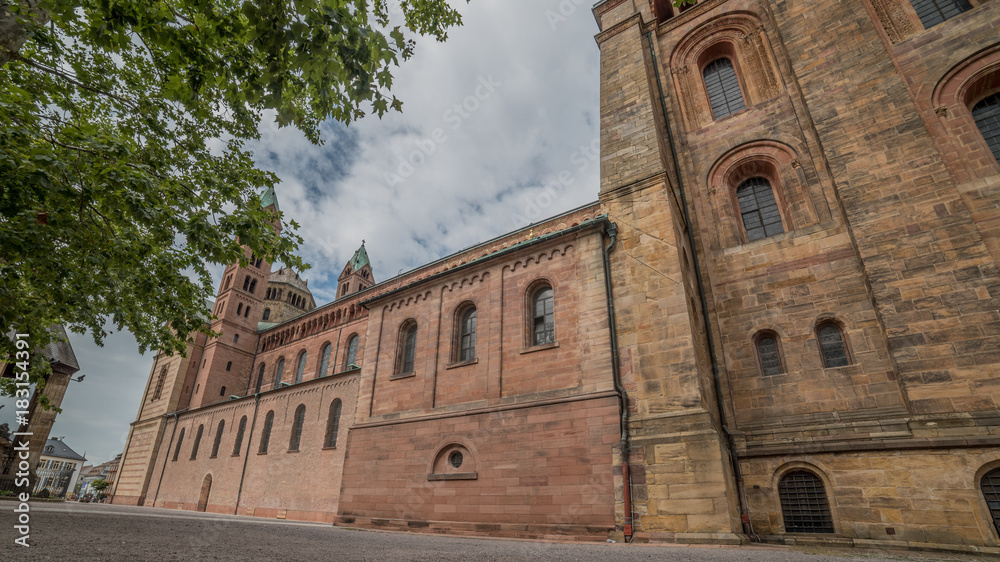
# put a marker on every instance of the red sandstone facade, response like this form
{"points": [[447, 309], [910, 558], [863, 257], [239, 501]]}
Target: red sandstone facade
{"points": [[847, 351]]}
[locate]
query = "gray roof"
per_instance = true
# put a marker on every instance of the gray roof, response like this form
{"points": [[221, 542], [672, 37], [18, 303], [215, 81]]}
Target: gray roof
{"points": [[61, 351], [60, 450]]}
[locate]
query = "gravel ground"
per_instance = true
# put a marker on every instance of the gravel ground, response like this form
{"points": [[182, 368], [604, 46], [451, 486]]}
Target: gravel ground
{"points": [[72, 531]]}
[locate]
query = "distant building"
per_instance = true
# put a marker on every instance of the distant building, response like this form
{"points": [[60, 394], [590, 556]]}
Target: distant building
{"points": [[106, 471], [58, 469]]}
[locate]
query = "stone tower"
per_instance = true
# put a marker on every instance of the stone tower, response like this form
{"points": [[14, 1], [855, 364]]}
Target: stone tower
{"points": [[357, 274], [287, 296]]}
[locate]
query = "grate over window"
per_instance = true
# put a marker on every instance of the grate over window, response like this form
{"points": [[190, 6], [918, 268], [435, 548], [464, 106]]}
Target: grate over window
{"points": [[543, 309], [759, 209], [831, 344], [804, 504], [723, 88], [987, 116], [991, 491], [770, 360], [933, 12]]}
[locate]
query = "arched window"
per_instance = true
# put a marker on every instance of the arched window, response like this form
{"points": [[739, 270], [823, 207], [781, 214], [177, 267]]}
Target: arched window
{"points": [[933, 12], [467, 334], [300, 420], [990, 485], [222, 391], [246, 282], [406, 348], [159, 383], [723, 88], [218, 438], [265, 433], [229, 366], [831, 345], [768, 354], [987, 116], [333, 424], [260, 379], [267, 314], [301, 368], [278, 371], [246, 314], [253, 285], [180, 439], [758, 209], [352, 353], [239, 437], [239, 309], [803, 503], [197, 442], [324, 362], [236, 338], [542, 314]]}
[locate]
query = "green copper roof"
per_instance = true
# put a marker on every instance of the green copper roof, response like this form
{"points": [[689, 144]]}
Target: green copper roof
{"points": [[360, 258], [269, 198]]}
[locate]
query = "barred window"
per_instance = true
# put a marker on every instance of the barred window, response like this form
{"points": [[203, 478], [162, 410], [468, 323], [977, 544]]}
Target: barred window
{"points": [[324, 361], [543, 317], [803, 503], [767, 352], [265, 432], [831, 345], [933, 12], [277, 372], [333, 424], [352, 353], [197, 442], [239, 437], [301, 368], [467, 335], [990, 485], [759, 209], [180, 439], [723, 88], [987, 116], [218, 438], [300, 420], [407, 347]]}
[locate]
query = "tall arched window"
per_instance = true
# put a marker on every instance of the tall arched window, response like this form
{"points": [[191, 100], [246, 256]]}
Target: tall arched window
{"points": [[543, 318], [759, 209], [180, 439], [831, 345], [239, 437], [768, 354], [197, 441], [265, 433], [352, 353], [324, 362], [300, 420], [803, 503], [990, 485], [267, 314], [723, 88], [239, 309], [467, 334], [260, 379], [253, 285], [407, 347], [933, 12], [301, 368], [278, 371], [218, 438], [159, 383], [246, 282], [987, 116], [333, 424]]}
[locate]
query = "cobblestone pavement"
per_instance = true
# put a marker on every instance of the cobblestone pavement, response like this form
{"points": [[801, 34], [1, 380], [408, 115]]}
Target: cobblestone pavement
{"points": [[72, 531]]}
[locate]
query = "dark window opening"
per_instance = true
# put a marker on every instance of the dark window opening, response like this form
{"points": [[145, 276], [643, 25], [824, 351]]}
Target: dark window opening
{"points": [[180, 439], [260, 379], [408, 348], [333, 424], [300, 420], [267, 314], [759, 209], [990, 485], [933, 12], [197, 442], [543, 317], [218, 438], [467, 335], [987, 116], [277, 372], [229, 366], [239, 437], [265, 432], [803, 503]]}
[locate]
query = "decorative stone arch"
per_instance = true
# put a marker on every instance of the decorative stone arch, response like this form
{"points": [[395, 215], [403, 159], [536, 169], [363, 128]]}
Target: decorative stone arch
{"points": [[764, 330], [820, 471], [832, 319], [455, 459], [899, 19], [527, 306], [739, 36], [953, 97], [772, 160], [456, 323], [986, 463]]}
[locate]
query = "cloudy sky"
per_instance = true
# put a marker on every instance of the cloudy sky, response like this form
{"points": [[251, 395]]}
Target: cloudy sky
{"points": [[490, 118]]}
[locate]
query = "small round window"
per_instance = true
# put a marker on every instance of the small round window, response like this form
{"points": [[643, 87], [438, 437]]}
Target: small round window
{"points": [[455, 458]]}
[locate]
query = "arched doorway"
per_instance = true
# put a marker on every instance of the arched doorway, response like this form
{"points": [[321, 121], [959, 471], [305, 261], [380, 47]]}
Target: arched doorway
{"points": [[206, 488]]}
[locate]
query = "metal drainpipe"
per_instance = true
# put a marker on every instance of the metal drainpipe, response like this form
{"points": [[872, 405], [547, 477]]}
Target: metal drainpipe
{"points": [[246, 457], [744, 511], [612, 230]]}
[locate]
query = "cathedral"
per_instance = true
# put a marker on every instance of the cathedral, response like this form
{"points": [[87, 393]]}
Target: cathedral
{"points": [[779, 321]]}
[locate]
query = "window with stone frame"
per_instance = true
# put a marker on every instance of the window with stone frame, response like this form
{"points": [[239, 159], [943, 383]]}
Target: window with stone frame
{"points": [[986, 114], [159, 383], [543, 325], [352, 353], [297, 423], [333, 424], [238, 444], [723, 88], [260, 379], [832, 347], [466, 344], [406, 348], [300, 370], [278, 372], [197, 442], [265, 433], [804, 505], [180, 439], [218, 438], [324, 360], [758, 209], [990, 487], [933, 12], [768, 353]]}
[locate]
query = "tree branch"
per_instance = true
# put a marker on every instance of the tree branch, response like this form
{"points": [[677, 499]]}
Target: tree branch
{"points": [[73, 80]]}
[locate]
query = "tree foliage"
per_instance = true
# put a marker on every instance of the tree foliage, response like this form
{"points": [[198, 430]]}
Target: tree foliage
{"points": [[100, 485], [124, 132]]}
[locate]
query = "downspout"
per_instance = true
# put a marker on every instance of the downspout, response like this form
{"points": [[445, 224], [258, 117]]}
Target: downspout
{"points": [[246, 457], [730, 444], [166, 456], [612, 230]]}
